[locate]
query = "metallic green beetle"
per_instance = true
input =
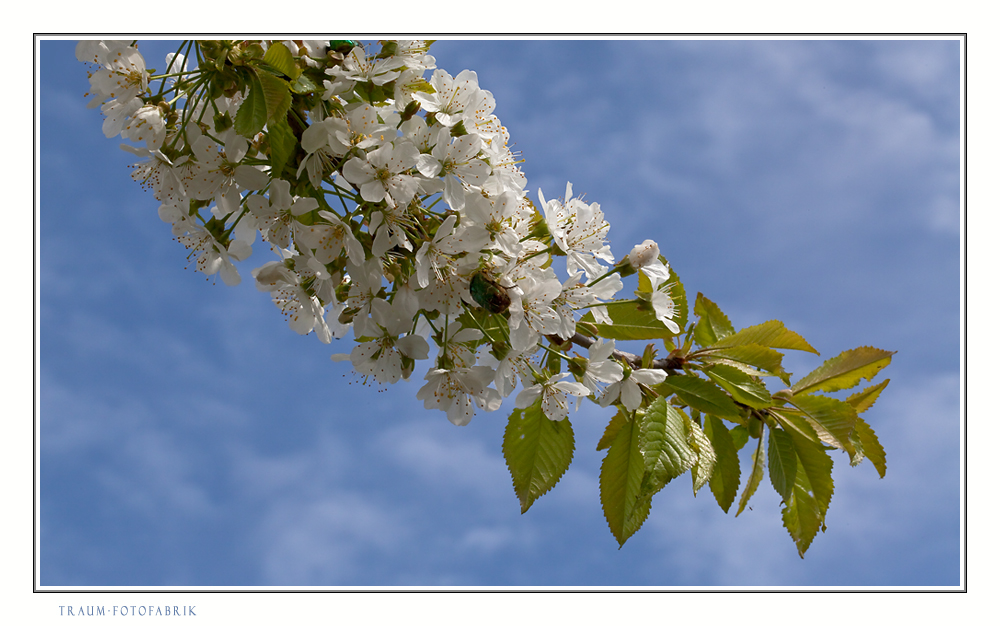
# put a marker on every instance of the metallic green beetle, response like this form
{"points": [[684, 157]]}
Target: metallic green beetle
{"points": [[488, 293], [343, 45]]}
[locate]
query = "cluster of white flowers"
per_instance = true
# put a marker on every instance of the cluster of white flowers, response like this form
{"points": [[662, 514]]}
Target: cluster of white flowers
{"points": [[403, 215]]}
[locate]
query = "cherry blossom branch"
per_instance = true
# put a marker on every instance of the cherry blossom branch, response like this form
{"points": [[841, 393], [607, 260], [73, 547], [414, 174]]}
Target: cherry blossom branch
{"points": [[672, 362]]}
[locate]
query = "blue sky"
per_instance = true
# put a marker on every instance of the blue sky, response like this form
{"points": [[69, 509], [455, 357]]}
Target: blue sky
{"points": [[188, 437]]}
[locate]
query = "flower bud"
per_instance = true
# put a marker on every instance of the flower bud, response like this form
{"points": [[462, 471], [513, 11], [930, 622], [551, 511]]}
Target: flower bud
{"points": [[643, 254]]}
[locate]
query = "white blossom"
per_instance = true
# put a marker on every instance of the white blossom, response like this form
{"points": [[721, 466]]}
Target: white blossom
{"points": [[553, 392]]}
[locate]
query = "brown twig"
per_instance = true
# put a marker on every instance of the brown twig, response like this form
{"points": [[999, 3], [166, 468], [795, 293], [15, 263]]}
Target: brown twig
{"points": [[672, 362]]}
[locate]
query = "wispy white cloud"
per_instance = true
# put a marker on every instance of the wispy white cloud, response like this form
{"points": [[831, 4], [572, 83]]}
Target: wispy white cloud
{"points": [[326, 541], [182, 413]]}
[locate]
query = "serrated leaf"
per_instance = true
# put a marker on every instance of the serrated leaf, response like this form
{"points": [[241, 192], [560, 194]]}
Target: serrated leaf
{"points": [[282, 141], [832, 419], [277, 97], [612, 429], [781, 462], [801, 514], [771, 334], [844, 370], [813, 459], [804, 513], [756, 474], [629, 322], [705, 466], [867, 445], [713, 325], [741, 386], [252, 114], [538, 451], [725, 481], [863, 400], [679, 296], [664, 445], [280, 58], [621, 475], [762, 359], [700, 394]]}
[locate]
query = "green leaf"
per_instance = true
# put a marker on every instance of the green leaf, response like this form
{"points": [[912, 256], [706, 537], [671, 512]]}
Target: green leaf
{"points": [[612, 429], [420, 85], [303, 84], [282, 142], [832, 419], [664, 445], [754, 360], [862, 400], [756, 474], [705, 467], [252, 114], [621, 476], [744, 388], [804, 513], [494, 327], [629, 323], [866, 445], [801, 514], [276, 95], [781, 462], [844, 370], [679, 296], [538, 452], [713, 325], [813, 459], [701, 394], [740, 436], [725, 481], [280, 58], [771, 334]]}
